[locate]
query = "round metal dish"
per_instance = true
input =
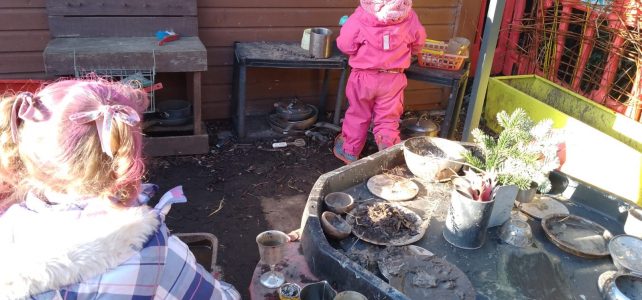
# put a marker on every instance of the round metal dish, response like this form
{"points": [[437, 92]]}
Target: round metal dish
{"points": [[431, 277], [404, 228], [542, 206], [392, 187], [391, 259], [626, 252], [577, 235]]}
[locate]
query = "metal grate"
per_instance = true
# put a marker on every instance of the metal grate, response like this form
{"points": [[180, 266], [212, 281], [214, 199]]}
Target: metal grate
{"points": [[135, 78]]}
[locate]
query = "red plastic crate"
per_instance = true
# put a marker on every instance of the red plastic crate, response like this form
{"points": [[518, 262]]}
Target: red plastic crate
{"points": [[20, 85]]}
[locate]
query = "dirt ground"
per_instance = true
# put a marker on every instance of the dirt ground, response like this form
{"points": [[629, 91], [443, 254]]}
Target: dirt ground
{"points": [[244, 187], [239, 190]]}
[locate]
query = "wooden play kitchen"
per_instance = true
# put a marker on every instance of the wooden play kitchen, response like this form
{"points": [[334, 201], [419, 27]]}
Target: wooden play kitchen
{"points": [[117, 39], [500, 268]]}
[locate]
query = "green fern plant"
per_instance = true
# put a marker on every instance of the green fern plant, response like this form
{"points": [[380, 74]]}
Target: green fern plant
{"points": [[523, 152]]}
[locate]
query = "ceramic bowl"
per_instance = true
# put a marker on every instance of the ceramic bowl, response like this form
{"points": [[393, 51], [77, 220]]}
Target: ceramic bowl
{"points": [[339, 202], [335, 226]]}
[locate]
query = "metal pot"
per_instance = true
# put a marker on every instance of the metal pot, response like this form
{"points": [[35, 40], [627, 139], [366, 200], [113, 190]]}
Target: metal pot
{"points": [[170, 113], [616, 286], [292, 127], [294, 111], [413, 127]]}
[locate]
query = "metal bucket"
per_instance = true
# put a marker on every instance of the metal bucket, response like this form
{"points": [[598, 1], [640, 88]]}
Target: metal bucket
{"points": [[467, 221], [320, 44]]}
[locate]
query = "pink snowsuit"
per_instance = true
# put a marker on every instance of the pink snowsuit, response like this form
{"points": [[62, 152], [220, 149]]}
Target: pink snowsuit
{"points": [[379, 51]]}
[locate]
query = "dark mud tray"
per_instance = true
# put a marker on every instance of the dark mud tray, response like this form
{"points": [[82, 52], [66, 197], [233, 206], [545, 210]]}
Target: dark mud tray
{"points": [[497, 271]]}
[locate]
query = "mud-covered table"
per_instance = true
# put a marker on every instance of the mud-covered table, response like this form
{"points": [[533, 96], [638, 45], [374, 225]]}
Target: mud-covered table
{"points": [[497, 271], [283, 55], [293, 268]]}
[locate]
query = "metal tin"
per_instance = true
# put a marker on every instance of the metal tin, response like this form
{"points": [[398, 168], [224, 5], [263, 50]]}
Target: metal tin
{"points": [[320, 44], [467, 221], [290, 291]]}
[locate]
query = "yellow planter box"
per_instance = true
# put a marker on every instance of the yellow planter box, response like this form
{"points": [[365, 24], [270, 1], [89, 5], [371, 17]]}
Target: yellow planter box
{"points": [[603, 148]]}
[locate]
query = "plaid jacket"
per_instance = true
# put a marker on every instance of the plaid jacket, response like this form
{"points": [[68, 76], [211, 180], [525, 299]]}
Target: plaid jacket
{"points": [[162, 268]]}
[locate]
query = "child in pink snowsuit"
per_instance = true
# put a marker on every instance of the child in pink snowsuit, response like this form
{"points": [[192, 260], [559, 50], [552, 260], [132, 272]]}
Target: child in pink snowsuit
{"points": [[380, 37]]}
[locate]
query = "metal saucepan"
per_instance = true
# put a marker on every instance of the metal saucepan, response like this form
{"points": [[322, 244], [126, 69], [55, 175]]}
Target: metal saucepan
{"points": [[170, 113]]}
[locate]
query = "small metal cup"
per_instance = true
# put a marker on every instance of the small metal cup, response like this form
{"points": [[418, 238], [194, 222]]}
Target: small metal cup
{"points": [[271, 245], [320, 44]]}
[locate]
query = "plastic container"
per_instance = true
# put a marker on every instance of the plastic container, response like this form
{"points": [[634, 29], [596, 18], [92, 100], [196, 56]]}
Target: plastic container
{"points": [[434, 55]]}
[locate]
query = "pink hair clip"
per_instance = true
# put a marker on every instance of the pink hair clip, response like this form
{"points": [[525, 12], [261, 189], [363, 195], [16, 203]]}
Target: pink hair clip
{"points": [[25, 107], [103, 117]]}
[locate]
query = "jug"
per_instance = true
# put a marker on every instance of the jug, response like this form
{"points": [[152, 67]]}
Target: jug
{"points": [[318, 291], [320, 45]]}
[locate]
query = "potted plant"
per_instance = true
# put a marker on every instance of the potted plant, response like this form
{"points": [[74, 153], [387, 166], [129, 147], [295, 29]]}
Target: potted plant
{"points": [[522, 156]]}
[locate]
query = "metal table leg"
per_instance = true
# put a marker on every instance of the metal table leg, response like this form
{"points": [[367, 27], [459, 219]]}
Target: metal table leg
{"points": [[324, 95], [240, 110], [460, 99], [450, 110], [340, 96]]}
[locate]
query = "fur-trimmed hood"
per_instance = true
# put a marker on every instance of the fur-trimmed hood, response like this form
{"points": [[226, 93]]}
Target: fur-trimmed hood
{"points": [[46, 247]]}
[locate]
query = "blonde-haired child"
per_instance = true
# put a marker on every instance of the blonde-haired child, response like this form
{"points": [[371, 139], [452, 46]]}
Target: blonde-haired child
{"points": [[71, 223]]}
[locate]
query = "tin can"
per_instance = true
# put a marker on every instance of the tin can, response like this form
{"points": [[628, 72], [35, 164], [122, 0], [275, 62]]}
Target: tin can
{"points": [[290, 291]]}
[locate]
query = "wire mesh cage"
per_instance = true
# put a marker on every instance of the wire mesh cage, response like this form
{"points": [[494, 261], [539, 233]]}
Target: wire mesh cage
{"points": [[139, 79]]}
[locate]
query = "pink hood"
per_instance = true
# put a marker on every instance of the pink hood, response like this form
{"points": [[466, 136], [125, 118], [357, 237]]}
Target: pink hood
{"points": [[388, 11], [375, 44]]}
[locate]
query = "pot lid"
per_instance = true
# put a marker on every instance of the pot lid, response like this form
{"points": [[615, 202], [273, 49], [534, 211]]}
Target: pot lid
{"points": [[419, 125], [294, 107]]}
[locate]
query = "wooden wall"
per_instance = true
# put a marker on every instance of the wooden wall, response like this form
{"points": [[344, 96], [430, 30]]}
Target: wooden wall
{"points": [[24, 34]]}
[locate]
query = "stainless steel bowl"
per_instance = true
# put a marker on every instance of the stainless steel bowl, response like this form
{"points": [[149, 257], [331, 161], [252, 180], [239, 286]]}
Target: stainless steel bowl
{"points": [[517, 233], [626, 253]]}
